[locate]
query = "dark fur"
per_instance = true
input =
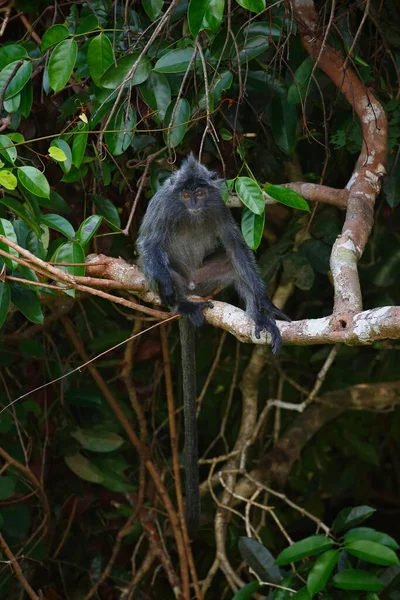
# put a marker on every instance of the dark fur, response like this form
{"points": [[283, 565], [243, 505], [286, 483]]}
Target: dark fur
{"points": [[178, 238]]}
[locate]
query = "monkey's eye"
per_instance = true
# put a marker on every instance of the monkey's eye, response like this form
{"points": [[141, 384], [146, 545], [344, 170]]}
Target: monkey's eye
{"points": [[200, 194], [185, 195]]}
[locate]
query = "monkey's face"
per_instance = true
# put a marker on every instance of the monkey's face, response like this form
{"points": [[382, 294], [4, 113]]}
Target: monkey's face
{"points": [[194, 200]]}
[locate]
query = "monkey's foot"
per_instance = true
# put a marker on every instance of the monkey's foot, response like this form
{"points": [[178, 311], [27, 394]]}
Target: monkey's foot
{"points": [[193, 311], [263, 321]]}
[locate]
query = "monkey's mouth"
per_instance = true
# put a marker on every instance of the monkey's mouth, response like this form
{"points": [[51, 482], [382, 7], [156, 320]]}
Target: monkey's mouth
{"points": [[195, 209]]}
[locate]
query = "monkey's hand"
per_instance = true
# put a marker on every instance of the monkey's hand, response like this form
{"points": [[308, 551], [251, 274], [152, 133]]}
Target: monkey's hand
{"points": [[263, 321], [193, 311]]}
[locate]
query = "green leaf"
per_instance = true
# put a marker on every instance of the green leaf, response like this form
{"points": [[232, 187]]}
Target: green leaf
{"points": [[5, 300], [35, 245], [7, 230], [19, 209], [54, 35], [372, 552], [205, 14], [302, 594], [246, 592], [70, 252], [79, 144], [249, 48], [310, 546], [355, 579], [98, 440], [153, 8], [178, 126], [298, 88], [61, 64], [60, 224], [27, 303], [321, 571], [62, 146], [88, 24], [349, 517], [252, 228], [156, 92], [106, 208], [10, 53], [8, 180], [88, 228], [256, 6], [116, 74], [15, 85], [34, 181], [286, 196], [7, 149], [7, 487], [100, 56], [26, 95], [122, 126], [84, 469], [176, 61], [12, 104], [250, 194], [220, 83], [55, 202], [57, 154], [259, 559], [366, 533]]}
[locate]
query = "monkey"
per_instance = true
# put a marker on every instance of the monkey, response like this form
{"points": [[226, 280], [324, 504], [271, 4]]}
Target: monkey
{"points": [[186, 232]]}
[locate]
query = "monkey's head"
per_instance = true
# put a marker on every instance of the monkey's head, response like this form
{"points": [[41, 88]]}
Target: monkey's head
{"points": [[195, 186]]}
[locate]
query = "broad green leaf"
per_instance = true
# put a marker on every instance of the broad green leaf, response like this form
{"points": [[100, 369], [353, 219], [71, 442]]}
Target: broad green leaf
{"points": [[61, 64], [350, 517], [222, 82], [298, 88], [250, 194], [106, 208], [153, 8], [26, 95], [205, 14], [55, 202], [256, 6], [98, 440], [84, 469], [7, 148], [20, 210], [283, 122], [252, 228], [88, 24], [176, 61], [366, 533], [88, 228], [59, 223], [7, 230], [122, 126], [70, 252], [35, 245], [57, 154], [249, 48], [5, 300], [54, 35], [100, 56], [63, 147], [12, 104], [178, 125], [27, 302], [15, 85], [156, 92], [10, 53], [246, 592], [7, 487], [8, 180], [317, 253], [286, 196], [355, 579], [321, 571], [79, 144], [225, 134], [259, 559], [299, 270], [116, 74], [310, 546], [372, 552], [34, 181]]}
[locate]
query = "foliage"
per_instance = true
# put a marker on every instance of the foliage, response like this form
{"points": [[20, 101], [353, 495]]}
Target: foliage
{"points": [[97, 105]]}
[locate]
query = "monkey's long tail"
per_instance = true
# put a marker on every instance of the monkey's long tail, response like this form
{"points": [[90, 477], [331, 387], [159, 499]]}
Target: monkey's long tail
{"points": [[191, 459]]}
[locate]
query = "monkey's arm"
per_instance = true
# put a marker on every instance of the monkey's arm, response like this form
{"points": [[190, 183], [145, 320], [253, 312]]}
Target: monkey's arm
{"points": [[248, 282]]}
